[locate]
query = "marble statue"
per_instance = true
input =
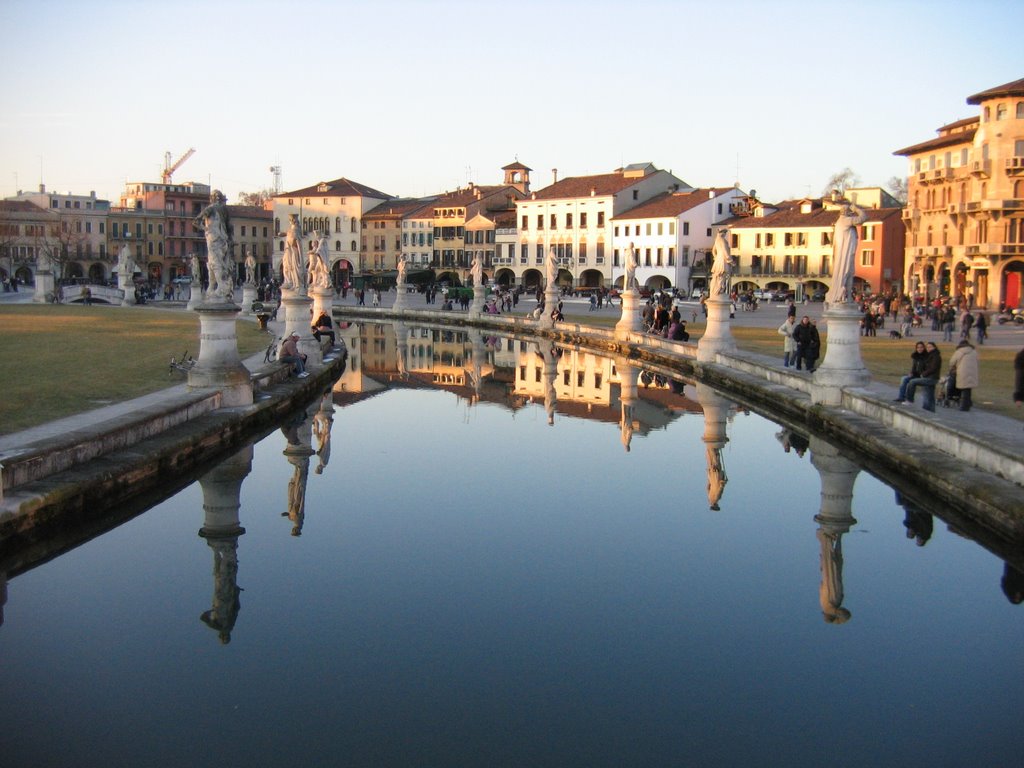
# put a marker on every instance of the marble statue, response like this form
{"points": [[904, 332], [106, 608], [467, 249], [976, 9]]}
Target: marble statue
{"points": [[477, 270], [721, 266], [403, 268], [630, 280], [214, 221], [552, 268], [291, 265], [844, 253], [250, 267], [197, 270], [319, 254], [125, 265]]}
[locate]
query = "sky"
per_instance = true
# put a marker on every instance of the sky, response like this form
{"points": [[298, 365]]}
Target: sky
{"points": [[416, 98]]}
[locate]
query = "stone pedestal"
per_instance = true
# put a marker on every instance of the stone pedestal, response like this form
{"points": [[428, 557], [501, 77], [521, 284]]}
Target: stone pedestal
{"points": [[842, 366], [479, 296], [248, 297], [45, 285], [718, 332], [127, 284], [835, 518], [716, 414], [195, 295], [219, 365], [401, 297], [297, 320], [550, 302], [323, 301], [629, 322]]}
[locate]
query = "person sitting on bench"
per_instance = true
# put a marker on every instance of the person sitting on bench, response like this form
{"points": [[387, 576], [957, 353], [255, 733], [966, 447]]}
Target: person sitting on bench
{"points": [[323, 326], [290, 354]]}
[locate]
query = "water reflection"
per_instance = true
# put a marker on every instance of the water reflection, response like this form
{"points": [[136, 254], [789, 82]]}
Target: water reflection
{"points": [[299, 435]]}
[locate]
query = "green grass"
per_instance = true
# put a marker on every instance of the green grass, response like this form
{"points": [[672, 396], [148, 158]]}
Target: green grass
{"points": [[62, 360]]}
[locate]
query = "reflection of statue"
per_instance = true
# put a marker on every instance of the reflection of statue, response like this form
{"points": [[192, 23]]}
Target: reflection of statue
{"points": [[626, 424], [322, 433], [214, 221], [250, 267], [630, 280], [291, 265], [716, 476], [721, 266], [552, 268], [477, 269], [844, 253], [297, 495], [319, 254], [831, 592], [125, 265], [224, 611], [403, 267]]}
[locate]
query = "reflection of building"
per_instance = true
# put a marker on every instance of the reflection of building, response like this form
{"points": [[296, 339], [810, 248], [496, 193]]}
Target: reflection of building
{"points": [[965, 209], [788, 247]]}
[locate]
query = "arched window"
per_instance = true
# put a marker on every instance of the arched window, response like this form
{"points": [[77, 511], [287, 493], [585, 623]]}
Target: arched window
{"points": [[337, 245], [986, 115], [1001, 112], [353, 245], [1018, 189], [337, 223], [353, 228], [277, 225], [928, 237], [945, 234], [1020, 109]]}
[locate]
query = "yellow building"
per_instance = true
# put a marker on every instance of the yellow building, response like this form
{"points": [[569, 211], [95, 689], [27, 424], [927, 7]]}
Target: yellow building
{"points": [[965, 208]]}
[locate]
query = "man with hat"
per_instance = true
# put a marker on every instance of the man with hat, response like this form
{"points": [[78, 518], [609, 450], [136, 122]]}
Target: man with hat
{"points": [[290, 354]]}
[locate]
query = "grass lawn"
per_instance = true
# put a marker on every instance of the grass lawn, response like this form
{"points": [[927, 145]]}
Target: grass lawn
{"points": [[62, 360]]}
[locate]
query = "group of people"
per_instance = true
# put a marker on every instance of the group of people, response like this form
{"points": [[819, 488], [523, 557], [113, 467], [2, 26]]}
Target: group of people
{"points": [[801, 346], [926, 370]]}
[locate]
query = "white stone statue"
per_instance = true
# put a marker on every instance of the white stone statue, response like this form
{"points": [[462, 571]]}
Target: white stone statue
{"points": [[630, 280], [125, 265], [214, 221], [403, 267], [250, 267], [844, 253], [197, 270], [552, 268], [721, 266], [477, 270], [291, 265], [319, 254]]}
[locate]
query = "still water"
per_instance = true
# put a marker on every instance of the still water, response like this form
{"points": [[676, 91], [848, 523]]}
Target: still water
{"points": [[455, 560]]}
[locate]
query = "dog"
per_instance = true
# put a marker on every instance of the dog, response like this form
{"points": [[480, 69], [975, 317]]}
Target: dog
{"points": [[894, 334]]}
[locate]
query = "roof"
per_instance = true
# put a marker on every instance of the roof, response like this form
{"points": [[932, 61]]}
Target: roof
{"points": [[23, 206], [789, 216], [948, 140], [673, 203], [516, 166], [338, 188], [396, 208], [1016, 88], [249, 212], [601, 185]]}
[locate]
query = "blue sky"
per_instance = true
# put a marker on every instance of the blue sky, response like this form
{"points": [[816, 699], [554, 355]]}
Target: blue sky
{"points": [[419, 97]]}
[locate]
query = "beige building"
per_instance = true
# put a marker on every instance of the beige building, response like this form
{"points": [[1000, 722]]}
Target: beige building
{"points": [[251, 233], [28, 234], [965, 209]]}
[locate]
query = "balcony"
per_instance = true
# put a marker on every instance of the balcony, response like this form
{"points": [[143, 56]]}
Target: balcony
{"points": [[1015, 166], [996, 249], [982, 169]]}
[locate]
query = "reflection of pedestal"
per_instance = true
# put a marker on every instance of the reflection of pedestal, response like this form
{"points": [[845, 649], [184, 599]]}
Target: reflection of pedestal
{"points": [[401, 297], [718, 333], [298, 320], [835, 518], [629, 375], [842, 366], [127, 284], [479, 294], [402, 349], [221, 501], [219, 365], [476, 373], [716, 412], [547, 351], [299, 433], [629, 322], [248, 297]]}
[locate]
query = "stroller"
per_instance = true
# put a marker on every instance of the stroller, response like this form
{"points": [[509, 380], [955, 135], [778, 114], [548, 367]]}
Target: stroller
{"points": [[947, 392]]}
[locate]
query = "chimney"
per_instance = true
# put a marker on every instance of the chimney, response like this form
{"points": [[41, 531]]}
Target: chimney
{"points": [[593, 191], [42, 188], [711, 193], [554, 173]]}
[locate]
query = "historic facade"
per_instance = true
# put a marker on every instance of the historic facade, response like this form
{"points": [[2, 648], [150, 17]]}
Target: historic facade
{"points": [[965, 210]]}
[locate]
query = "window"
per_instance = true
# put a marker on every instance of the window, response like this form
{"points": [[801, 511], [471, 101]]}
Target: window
{"points": [[869, 232], [600, 218], [648, 229], [583, 220], [867, 258], [735, 240], [554, 221], [709, 232], [568, 221], [661, 228], [787, 239], [672, 257], [526, 223], [686, 228], [636, 194], [540, 221], [1001, 112], [826, 238]]}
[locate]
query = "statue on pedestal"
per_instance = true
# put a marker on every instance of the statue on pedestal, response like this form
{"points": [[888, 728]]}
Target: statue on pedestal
{"points": [[477, 270], [319, 253], [844, 253], [250, 267], [552, 268], [721, 267], [630, 279], [291, 265], [125, 265], [214, 221], [403, 267]]}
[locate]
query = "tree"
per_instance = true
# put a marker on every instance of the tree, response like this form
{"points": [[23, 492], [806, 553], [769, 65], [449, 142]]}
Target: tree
{"points": [[841, 182], [897, 187], [61, 243], [256, 199]]}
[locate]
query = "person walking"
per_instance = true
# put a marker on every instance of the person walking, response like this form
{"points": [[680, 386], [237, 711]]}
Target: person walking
{"points": [[788, 342], [948, 322], [964, 364], [982, 325]]}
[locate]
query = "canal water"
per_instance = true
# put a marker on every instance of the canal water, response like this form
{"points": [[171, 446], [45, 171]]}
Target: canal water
{"points": [[488, 552]]}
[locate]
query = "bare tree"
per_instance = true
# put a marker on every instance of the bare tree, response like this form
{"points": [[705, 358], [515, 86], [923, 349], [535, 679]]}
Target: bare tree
{"points": [[62, 243], [897, 187], [256, 199], [841, 181]]}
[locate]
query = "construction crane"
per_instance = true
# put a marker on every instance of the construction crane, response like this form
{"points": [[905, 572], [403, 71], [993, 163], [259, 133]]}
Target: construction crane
{"points": [[170, 169]]}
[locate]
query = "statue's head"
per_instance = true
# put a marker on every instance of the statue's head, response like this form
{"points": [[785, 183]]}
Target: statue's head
{"points": [[217, 196]]}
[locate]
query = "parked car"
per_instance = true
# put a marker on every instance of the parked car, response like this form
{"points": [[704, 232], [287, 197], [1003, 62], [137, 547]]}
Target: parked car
{"points": [[763, 295], [818, 296]]}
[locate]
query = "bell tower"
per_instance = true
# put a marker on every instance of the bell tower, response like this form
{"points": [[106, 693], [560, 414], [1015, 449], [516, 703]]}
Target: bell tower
{"points": [[518, 175]]}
